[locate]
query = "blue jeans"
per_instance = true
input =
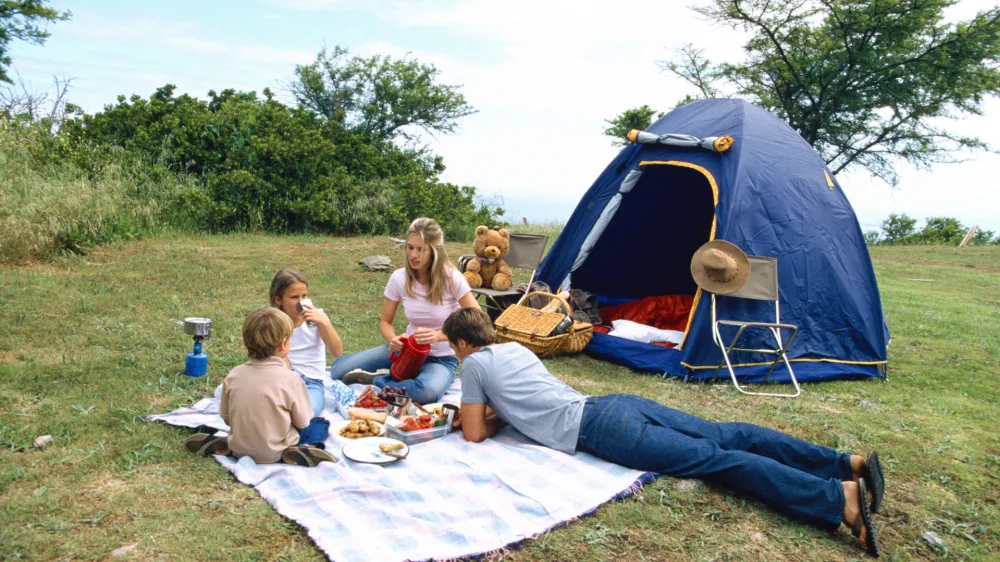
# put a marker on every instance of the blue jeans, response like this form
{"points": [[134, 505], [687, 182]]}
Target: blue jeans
{"points": [[316, 432], [430, 384], [317, 394], [788, 474]]}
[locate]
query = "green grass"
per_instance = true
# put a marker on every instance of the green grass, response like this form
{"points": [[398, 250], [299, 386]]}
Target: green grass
{"points": [[90, 344]]}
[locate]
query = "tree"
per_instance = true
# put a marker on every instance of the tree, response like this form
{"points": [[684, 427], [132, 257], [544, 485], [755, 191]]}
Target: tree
{"points": [[20, 19], [898, 229], [378, 96], [941, 230], [865, 83], [261, 165], [637, 118], [984, 238]]}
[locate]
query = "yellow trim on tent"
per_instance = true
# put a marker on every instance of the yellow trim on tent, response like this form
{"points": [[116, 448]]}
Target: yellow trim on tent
{"points": [[703, 367], [711, 235], [829, 180], [694, 307]]}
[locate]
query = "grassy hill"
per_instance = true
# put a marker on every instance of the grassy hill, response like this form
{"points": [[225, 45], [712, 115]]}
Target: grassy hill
{"points": [[91, 344]]}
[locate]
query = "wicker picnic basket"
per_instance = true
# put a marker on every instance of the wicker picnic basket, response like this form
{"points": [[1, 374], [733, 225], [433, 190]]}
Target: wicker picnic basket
{"points": [[531, 327], [579, 334]]}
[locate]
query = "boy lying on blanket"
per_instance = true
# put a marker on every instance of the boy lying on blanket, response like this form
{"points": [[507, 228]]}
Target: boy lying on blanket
{"points": [[265, 403], [506, 383]]}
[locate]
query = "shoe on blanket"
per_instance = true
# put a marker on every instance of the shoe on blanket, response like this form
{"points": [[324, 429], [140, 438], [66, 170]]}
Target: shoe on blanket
{"points": [[306, 455], [359, 376], [206, 444], [206, 429]]}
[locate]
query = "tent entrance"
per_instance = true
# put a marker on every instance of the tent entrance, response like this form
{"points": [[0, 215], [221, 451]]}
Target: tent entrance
{"points": [[646, 247]]}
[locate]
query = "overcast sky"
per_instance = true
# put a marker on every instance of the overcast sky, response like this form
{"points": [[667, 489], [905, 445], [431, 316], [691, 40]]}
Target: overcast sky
{"points": [[543, 75]]}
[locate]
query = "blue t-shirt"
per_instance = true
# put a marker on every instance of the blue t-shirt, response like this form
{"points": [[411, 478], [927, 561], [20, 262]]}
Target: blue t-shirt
{"points": [[511, 380]]}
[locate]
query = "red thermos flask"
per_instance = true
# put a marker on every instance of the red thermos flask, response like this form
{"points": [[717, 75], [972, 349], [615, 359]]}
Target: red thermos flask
{"points": [[407, 362]]}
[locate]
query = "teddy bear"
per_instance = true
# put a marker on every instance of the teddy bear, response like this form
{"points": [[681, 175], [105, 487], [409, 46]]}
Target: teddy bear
{"points": [[489, 269]]}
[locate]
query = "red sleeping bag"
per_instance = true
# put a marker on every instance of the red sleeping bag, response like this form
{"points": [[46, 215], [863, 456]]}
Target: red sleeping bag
{"points": [[666, 312]]}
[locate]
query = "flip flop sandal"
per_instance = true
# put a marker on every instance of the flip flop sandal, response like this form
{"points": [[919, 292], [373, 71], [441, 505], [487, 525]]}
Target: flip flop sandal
{"points": [[204, 444], [865, 522], [306, 455], [874, 477]]}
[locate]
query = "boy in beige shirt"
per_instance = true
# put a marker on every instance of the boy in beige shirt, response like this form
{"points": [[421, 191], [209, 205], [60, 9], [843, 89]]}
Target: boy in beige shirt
{"points": [[265, 403]]}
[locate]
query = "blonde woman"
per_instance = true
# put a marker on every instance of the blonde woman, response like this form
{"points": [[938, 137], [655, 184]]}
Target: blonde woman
{"points": [[430, 289]]}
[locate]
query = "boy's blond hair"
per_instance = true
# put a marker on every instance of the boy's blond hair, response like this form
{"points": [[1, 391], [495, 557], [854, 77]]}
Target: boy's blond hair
{"points": [[470, 324], [264, 330]]}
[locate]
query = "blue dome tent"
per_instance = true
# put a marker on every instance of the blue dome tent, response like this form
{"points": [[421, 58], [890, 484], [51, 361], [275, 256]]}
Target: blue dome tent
{"points": [[635, 230]]}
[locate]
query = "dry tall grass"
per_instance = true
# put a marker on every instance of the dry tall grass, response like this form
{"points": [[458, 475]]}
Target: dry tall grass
{"points": [[51, 204]]}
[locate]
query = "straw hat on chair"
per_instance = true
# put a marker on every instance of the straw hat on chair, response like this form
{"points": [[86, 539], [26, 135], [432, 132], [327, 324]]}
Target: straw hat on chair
{"points": [[720, 267]]}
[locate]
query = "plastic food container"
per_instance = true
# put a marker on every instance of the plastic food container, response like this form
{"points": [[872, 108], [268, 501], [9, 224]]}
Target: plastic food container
{"points": [[418, 436]]}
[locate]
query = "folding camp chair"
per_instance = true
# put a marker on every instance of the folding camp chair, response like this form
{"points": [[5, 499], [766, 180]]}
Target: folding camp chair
{"points": [[761, 286], [525, 253]]}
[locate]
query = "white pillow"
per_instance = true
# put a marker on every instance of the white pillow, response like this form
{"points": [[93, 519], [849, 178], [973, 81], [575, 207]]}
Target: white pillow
{"points": [[642, 333]]}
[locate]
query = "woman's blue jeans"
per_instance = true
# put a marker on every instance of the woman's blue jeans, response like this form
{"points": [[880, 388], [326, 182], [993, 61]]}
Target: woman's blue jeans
{"points": [[788, 474], [317, 394], [430, 384]]}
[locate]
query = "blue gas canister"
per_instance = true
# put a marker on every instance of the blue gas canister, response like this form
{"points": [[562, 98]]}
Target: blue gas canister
{"points": [[196, 364]]}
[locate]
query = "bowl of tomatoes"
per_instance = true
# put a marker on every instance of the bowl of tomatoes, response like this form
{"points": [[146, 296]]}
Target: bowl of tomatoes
{"points": [[370, 400], [418, 429]]}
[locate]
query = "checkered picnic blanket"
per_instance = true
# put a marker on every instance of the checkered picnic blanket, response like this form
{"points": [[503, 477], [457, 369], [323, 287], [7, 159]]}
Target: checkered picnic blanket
{"points": [[448, 499]]}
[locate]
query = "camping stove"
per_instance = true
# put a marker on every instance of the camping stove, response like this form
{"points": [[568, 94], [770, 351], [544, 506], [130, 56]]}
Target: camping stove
{"points": [[196, 364]]}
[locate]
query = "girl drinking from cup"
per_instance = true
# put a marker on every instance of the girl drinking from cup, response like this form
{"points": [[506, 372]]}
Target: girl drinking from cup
{"points": [[312, 333], [430, 289]]}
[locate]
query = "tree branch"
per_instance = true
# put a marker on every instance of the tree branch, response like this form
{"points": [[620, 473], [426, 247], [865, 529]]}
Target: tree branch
{"points": [[771, 34]]}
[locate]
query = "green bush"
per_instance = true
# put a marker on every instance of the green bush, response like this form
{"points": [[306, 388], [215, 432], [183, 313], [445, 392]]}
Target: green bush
{"points": [[265, 166], [237, 162]]}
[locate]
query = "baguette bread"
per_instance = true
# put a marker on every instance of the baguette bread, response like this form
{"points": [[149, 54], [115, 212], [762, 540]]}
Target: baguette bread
{"points": [[363, 414], [554, 305]]}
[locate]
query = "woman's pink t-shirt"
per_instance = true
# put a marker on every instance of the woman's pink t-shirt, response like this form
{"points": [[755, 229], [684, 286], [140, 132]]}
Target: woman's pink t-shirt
{"points": [[422, 313]]}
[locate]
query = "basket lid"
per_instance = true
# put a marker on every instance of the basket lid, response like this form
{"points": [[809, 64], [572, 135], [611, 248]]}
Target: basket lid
{"points": [[528, 320]]}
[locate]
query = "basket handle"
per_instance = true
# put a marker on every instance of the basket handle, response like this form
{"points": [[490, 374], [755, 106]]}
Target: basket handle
{"points": [[561, 300]]}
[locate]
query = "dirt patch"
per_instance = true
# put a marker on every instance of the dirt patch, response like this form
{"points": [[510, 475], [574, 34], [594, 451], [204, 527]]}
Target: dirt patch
{"points": [[45, 268], [938, 263], [106, 485]]}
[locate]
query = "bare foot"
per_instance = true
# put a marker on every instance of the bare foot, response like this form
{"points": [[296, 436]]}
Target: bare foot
{"points": [[852, 509], [857, 467]]}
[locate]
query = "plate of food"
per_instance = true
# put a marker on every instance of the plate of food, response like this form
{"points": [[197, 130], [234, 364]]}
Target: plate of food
{"points": [[377, 450], [357, 429]]}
